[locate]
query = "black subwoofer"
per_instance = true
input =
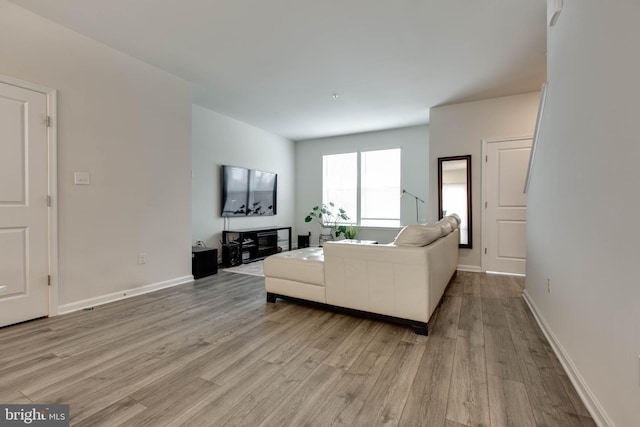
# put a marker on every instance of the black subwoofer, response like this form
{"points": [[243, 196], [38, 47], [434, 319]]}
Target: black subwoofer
{"points": [[204, 261]]}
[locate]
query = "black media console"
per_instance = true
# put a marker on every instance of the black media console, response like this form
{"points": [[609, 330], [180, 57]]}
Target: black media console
{"points": [[254, 243]]}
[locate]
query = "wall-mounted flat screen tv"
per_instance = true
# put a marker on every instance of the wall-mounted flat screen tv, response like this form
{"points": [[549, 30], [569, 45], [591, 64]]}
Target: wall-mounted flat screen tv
{"points": [[248, 192]]}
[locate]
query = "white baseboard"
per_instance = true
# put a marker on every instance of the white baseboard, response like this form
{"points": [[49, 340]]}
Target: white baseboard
{"points": [[471, 268], [592, 404], [502, 273], [116, 296]]}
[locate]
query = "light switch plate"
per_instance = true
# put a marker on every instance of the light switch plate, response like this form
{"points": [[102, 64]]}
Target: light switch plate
{"points": [[82, 178]]}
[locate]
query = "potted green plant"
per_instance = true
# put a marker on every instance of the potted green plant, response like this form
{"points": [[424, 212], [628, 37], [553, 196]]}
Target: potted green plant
{"points": [[351, 232], [327, 218]]}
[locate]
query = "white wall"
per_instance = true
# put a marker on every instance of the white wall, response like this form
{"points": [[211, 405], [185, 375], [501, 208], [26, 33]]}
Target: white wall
{"points": [[128, 125], [414, 142], [458, 130], [219, 140], [584, 204]]}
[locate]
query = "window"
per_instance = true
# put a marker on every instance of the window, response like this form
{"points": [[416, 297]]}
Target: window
{"points": [[366, 185], [380, 188], [340, 182]]}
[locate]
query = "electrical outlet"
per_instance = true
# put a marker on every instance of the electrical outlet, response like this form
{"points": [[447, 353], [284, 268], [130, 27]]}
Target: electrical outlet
{"points": [[142, 258], [549, 285]]}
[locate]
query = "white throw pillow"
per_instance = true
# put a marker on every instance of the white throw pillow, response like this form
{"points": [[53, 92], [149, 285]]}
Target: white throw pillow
{"points": [[452, 221], [445, 227], [418, 235]]}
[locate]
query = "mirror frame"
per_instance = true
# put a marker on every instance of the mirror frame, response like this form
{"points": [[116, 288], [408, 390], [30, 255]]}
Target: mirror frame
{"points": [[468, 245]]}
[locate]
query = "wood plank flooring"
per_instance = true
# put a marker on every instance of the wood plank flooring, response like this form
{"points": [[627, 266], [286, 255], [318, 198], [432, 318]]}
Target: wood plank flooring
{"points": [[214, 353]]}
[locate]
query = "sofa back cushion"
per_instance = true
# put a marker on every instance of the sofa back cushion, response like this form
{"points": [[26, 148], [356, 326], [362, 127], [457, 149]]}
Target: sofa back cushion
{"points": [[456, 217], [418, 235], [451, 220], [445, 227]]}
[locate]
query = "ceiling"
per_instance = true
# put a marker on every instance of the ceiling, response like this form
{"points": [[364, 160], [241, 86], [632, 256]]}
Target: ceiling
{"points": [[276, 64]]}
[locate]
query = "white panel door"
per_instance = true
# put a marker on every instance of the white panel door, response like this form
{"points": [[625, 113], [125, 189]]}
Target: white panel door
{"points": [[505, 222], [24, 254]]}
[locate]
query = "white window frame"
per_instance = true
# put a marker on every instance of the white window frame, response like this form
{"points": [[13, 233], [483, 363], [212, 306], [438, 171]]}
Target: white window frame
{"points": [[357, 219]]}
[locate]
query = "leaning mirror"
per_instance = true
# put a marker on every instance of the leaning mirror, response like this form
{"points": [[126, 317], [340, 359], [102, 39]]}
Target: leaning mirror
{"points": [[454, 193]]}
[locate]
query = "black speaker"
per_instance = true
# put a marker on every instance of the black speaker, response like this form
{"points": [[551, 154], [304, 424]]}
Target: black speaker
{"points": [[303, 240], [231, 254]]}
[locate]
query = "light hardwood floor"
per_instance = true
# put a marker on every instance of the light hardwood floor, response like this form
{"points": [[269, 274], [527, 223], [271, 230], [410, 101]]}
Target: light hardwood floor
{"points": [[215, 353]]}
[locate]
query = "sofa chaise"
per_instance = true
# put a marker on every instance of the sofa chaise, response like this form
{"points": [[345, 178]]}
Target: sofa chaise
{"points": [[402, 282]]}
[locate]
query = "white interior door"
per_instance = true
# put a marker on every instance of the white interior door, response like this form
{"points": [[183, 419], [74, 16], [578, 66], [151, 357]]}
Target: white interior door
{"points": [[24, 227], [505, 214]]}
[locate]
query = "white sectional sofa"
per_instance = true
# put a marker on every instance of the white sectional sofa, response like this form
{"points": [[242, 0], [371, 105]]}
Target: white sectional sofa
{"points": [[403, 281]]}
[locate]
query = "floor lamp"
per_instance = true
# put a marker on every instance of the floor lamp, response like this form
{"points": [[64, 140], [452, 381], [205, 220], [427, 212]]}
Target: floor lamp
{"points": [[415, 197]]}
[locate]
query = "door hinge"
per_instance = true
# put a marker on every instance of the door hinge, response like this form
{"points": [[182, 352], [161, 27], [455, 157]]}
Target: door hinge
{"points": [[485, 251], [48, 121], [49, 201], [486, 158], [486, 205], [49, 280]]}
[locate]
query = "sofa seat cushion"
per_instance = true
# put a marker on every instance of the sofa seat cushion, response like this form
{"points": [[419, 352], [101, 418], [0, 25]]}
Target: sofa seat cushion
{"points": [[301, 265]]}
